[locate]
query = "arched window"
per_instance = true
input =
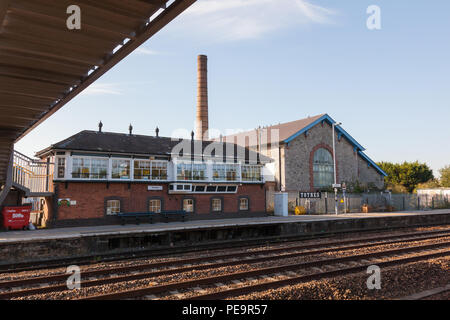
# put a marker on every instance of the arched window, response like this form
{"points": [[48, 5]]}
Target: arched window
{"points": [[323, 169]]}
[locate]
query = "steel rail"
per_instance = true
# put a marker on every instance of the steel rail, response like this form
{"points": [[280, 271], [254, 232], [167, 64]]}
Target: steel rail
{"points": [[247, 243], [210, 246], [126, 294], [135, 268], [317, 276], [427, 293]]}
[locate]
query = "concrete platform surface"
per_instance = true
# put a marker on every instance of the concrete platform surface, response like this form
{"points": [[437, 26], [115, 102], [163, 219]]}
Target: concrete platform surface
{"points": [[79, 232]]}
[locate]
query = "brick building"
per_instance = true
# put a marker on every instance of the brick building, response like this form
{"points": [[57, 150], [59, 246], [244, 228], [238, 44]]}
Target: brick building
{"points": [[302, 151], [99, 174]]}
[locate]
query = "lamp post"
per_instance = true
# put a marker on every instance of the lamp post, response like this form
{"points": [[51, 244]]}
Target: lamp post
{"points": [[333, 126]]}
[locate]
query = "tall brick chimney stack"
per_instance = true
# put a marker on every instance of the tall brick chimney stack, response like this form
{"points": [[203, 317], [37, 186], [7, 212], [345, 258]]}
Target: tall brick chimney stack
{"points": [[202, 98]]}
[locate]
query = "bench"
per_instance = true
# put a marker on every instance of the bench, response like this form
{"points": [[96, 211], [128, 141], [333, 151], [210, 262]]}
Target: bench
{"points": [[176, 213], [136, 217]]}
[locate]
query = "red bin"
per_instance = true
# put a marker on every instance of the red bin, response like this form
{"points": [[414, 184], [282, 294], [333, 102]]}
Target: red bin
{"points": [[16, 217]]}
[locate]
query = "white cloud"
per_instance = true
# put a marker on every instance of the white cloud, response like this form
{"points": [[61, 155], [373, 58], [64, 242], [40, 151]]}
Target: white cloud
{"points": [[145, 51], [229, 20]]}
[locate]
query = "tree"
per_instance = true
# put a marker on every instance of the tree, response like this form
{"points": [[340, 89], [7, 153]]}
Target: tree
{"points": [[407, 174], [445, 176]]}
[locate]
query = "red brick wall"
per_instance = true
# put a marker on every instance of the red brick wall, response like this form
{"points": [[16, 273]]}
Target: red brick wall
{"points": [[90, 199]]}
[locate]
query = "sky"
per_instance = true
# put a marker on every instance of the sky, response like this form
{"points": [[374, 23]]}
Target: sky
{"points": [[274, 61]]}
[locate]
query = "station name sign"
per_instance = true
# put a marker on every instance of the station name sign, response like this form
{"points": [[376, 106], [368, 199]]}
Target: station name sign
{"points": [[154, 188], [310, 195]]}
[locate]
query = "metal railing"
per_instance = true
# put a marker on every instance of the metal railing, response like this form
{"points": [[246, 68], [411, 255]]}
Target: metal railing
{"points": [[34, 175]]}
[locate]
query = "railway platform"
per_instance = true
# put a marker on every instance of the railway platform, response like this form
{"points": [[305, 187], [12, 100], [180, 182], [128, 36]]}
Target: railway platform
{"points": [[20, 246]]}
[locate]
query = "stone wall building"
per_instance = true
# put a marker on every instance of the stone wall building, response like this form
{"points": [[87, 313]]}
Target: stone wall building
{"points": [[302, 151]]}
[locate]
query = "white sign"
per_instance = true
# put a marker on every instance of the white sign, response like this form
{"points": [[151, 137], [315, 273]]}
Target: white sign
{"points": [[155, 188], [336, 185]]}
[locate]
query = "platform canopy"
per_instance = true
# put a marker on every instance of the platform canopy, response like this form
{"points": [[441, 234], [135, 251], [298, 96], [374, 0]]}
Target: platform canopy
{"points": [[44, 64]]}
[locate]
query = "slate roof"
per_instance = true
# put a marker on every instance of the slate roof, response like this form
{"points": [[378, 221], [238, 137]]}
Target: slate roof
{"points": [[285, 130], [290, 130]]}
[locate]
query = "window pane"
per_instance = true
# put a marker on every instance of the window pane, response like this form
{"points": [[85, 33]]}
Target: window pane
{"points": [[112, 207], [61, 167], [159, 170], [81, 167], [243, 204], [251, 173], [155, 206], [141, 169], [184, 171], [323, 169], [216, 205], [199, 171], [99, 168], [219, 172], [188, 205], [199, 188], [221, 188], [231, 172]]}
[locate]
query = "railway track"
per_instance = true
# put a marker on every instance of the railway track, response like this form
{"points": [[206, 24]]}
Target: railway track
{"points": [[427, 294], [164, 251], [292, 273], [149, 270]]}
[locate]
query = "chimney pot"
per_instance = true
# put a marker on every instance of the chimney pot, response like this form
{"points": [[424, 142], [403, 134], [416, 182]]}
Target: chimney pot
{"points": [[130, 128], [157, 131], [100, 125]]}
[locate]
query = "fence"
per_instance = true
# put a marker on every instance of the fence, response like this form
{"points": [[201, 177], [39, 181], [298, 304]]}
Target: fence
{"points": [[353, 203]]}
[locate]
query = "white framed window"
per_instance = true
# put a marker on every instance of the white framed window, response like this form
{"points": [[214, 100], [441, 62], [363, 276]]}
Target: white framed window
{"points": [[184, 171], [61, 167], [219, 170], [112, 207], [99, 168], [232, 172], [251, 173], [120, 169], [188, 205], [89, 168], [243, 204], [142, 169], [81, 167], [154, 205], [216, 205], [159, 170], [198, 171]]}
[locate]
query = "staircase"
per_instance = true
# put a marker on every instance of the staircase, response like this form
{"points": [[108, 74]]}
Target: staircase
{"points": [[33, 177]]}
